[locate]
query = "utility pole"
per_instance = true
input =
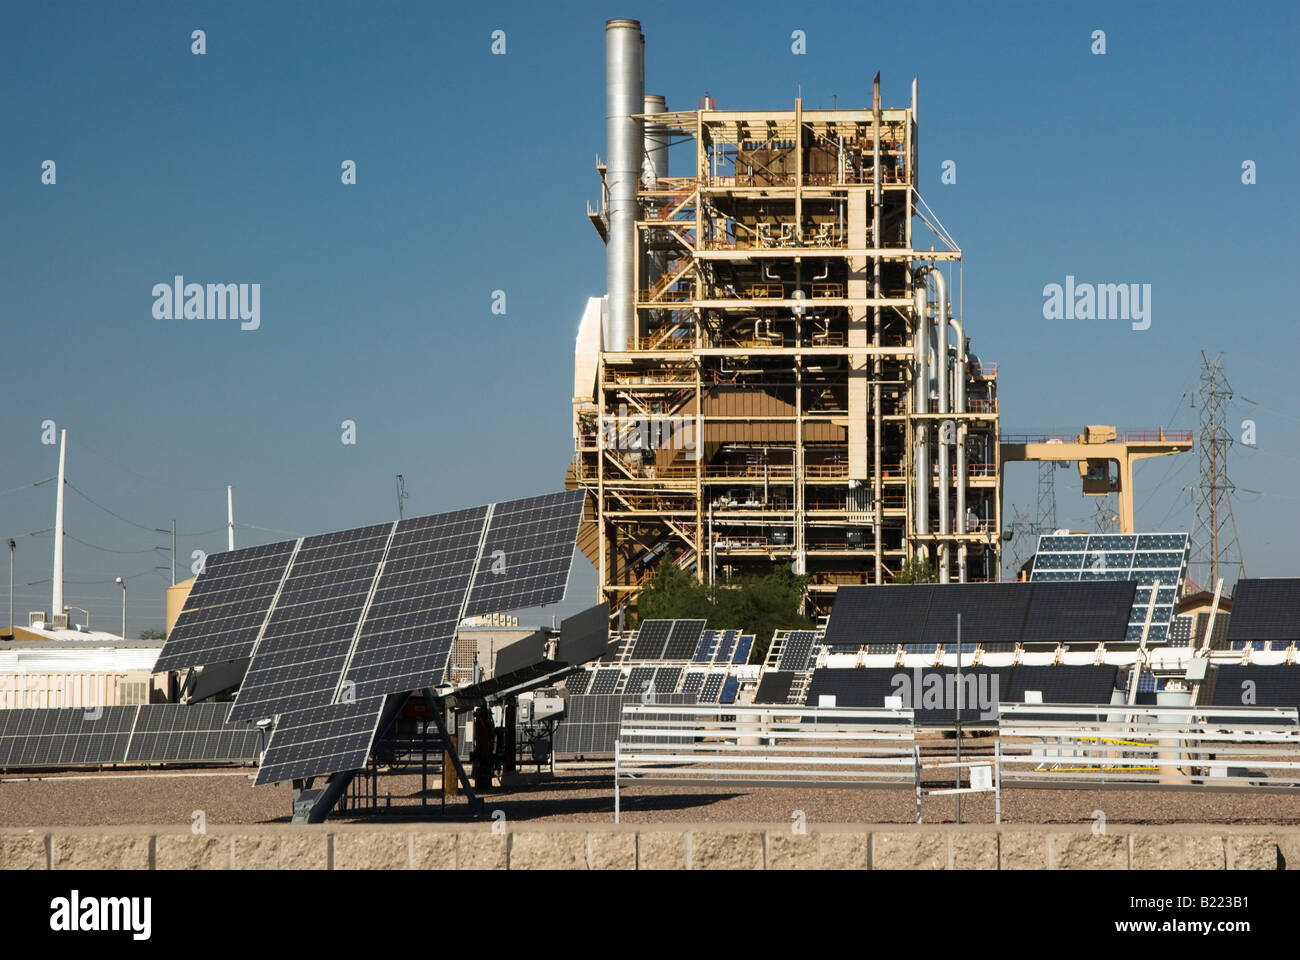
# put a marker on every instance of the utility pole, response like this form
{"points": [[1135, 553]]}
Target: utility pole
{"points": [[1214, 542], [173, 553], [57, 597], [401, 495], [230, 518]]}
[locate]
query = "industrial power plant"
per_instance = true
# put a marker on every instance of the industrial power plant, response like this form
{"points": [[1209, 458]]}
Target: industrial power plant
{"points": [[778, 377]]}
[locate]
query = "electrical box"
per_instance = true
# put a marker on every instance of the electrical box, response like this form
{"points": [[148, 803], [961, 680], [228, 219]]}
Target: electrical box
{"points": [[544, 707]]}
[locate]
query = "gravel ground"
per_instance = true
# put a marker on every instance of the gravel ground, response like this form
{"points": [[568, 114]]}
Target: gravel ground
{"points": [[228, 797]]}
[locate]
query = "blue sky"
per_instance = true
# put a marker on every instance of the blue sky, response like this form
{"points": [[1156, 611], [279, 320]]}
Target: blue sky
{"points": [[472, 174]]}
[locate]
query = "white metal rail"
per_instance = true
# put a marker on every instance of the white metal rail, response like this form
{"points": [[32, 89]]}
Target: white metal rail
{"points": [[1112, 746], [761, 745]]}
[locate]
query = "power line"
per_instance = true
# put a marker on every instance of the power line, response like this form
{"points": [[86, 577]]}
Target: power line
{"points": [[94, 546], [28, 486], [84, 496]]}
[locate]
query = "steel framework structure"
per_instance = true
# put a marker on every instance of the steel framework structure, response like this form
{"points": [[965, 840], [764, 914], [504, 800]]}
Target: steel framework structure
{"points": [[764, 408]]}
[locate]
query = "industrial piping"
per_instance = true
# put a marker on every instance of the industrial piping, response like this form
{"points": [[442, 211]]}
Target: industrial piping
{"points": [[624, 146]]}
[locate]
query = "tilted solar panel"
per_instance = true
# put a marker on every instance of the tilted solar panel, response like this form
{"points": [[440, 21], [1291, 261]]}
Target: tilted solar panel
{"points": [[410, 626], [310, 633], [1266, 609], [226, 607], [651, 639], [683, 639], [527, 552], [320, 740]]}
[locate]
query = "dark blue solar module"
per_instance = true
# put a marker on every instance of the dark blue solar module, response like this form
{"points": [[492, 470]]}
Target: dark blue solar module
{"points": [[639, 680], [705, 646], [729, 688], [726, 644], [742, 650], [576, 683]]}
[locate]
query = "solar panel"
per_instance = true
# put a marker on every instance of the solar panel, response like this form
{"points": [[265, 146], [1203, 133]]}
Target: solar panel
{"points": [[683, 639], [605, 681], [651, 639], [320, 740], [56, 737], [1142, 558], [712, 687], [863, 614], [226, 607], [666, 679], [1266, 609], [191, 733], [1256, 685], [309, 635], [590, 724], [797, 650], [576, 684], [691, 685], [527, 553], [410, 626], [726, 645], [705, 646], [742, 649], [774, 687], [730, 686], [639, 680], [373, 610]]}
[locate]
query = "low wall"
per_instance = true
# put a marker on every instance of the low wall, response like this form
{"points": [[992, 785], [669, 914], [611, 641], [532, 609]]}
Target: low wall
{"points": [[627, 847]]}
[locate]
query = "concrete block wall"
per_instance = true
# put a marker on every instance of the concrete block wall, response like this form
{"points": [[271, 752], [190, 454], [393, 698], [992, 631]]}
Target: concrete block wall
{"points": [[659, 847]]}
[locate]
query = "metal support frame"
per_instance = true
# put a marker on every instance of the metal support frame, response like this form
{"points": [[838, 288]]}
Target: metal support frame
{"points": [[475, 801]]}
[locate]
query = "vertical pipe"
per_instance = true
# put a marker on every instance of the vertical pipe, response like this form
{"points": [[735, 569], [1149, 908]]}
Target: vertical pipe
{"points": [[876, 362], [654, 168], [921, 387], [230, 518], [959, 408], [58, 527], [624, 145]]}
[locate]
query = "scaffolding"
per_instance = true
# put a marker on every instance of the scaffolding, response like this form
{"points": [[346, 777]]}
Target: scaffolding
{"points": [[765, 408]]}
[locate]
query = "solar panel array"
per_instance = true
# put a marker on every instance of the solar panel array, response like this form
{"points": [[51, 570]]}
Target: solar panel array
{"points": [[1180, 630], [1008, 613], [577, 682], [1266, 609], [668, 640], [605, 680], [147, 733], [930, 692], [1144, 558], [336, 622], [590, 724], [743, 648], [1256, 685]]}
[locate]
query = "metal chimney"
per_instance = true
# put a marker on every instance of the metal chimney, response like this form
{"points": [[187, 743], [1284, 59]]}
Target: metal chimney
{"points": [[624, 146]]}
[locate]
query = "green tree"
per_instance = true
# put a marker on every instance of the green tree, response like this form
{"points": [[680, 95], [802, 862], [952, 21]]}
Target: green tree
{"points": [[757, 605], [916, 570], [152, 635]]}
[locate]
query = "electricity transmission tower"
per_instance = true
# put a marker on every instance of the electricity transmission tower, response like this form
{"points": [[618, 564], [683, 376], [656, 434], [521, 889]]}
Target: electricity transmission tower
{"points": [[1215, 549], [1046, 496]]}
